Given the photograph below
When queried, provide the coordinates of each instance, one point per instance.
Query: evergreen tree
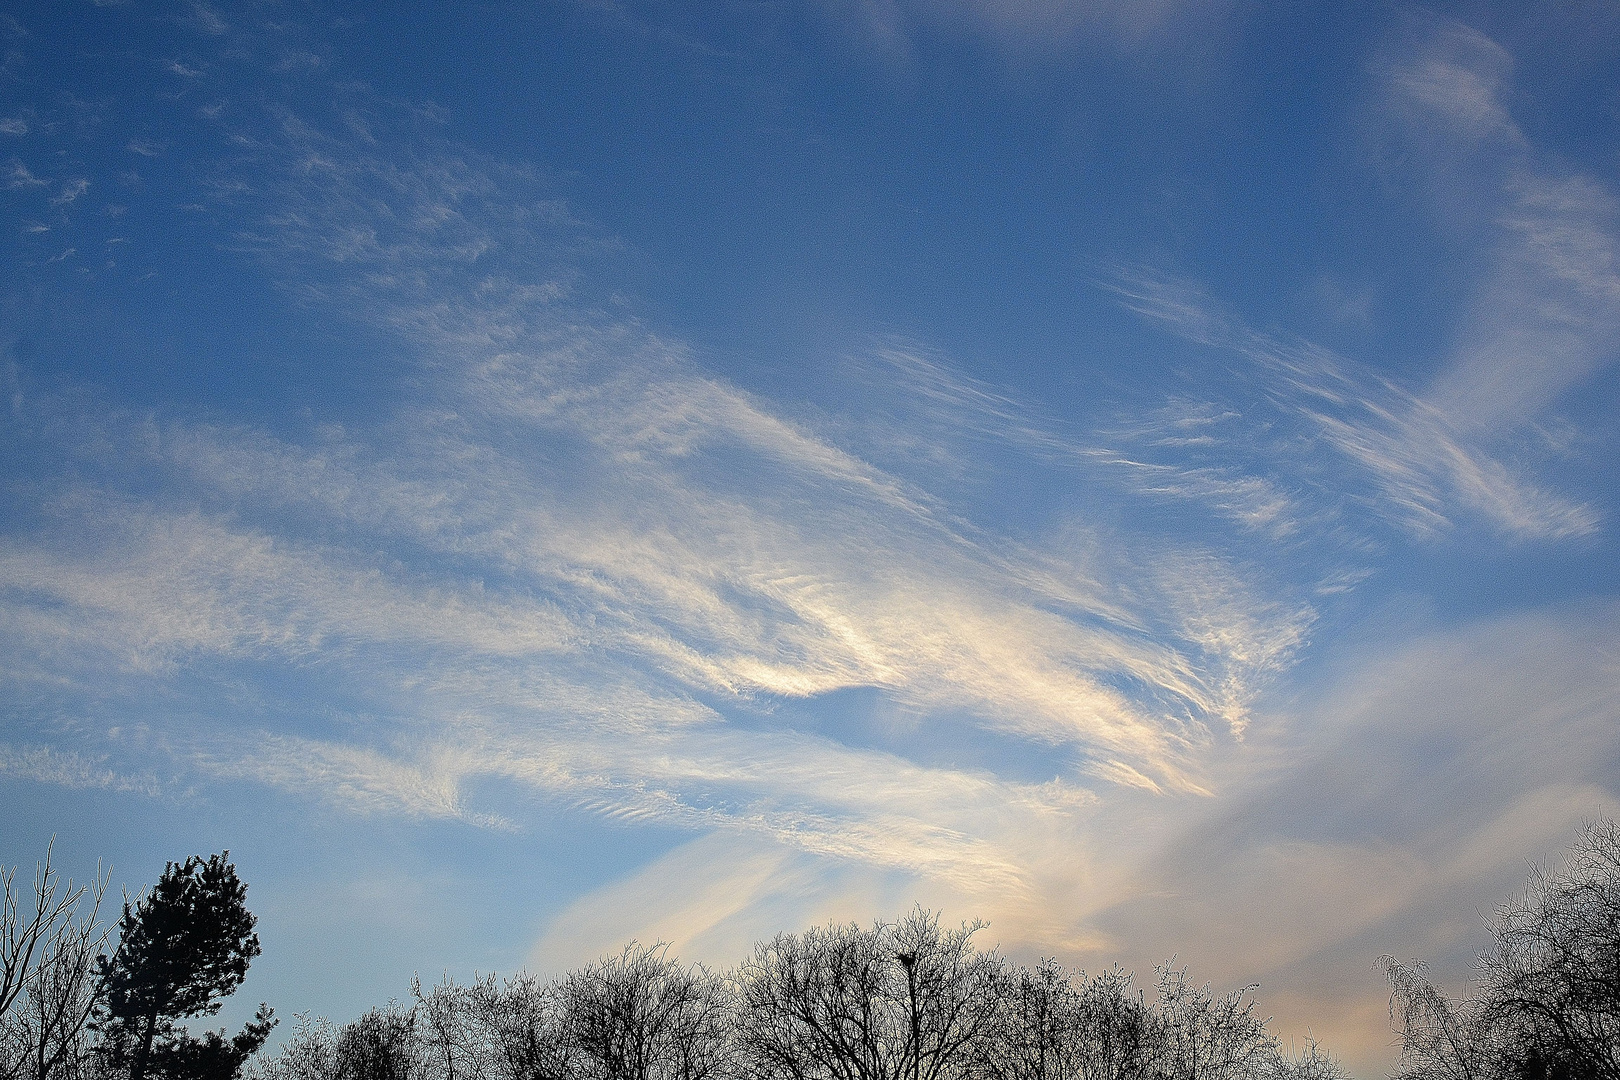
(182, 949)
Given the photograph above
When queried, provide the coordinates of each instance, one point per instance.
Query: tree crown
(183, 946)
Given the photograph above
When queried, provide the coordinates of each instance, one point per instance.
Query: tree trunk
(137, 1070)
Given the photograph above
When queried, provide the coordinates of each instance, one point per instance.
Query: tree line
(911, 999)
(907, 1000)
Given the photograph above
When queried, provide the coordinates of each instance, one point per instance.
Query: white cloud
(165, 587)
(71, 191)
(1427, 463)
(1034, 24)
(1545, 317)
(574, 567)
(21, 177)
(1382, 816)
(1449, 78)
(64, 768)
(576, 564)
(1547, 311)
(1395, 807)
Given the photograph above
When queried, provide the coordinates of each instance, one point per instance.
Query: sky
(526, 477)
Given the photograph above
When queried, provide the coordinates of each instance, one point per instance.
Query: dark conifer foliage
(182, 948)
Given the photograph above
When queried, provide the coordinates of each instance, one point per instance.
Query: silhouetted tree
(310, 1053)
(381, 1045)
(453, 1046)
(522, 1027)
(1195, 1035)
(1111, 1027)
(47, 961)
(1311, 1063)
(909, 1000)
(900, 1001)
(1548, 1000)
(489, 1030)
(1551, 983)
(1048, 1028)
(1441, 1039)
(1035, 1033)
(182, 949)
(642, 1016)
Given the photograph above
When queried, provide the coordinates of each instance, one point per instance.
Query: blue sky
(525, 477)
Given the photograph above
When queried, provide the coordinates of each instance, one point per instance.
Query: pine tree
(182, 949)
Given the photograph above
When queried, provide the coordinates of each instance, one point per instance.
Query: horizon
(528, 478)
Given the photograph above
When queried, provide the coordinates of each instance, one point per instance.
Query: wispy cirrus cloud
(1034, 24)
(961, 415)
(575, 562)
(1405, 800)
(20, 176)
(1546, 313)
(1426, 465)
(65, 768)
(1545, 318)
(1333, 837)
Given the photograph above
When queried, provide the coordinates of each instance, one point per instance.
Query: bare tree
(1551, 982)
(63, 996)
(48, 956)
(1195, 1035)
(488, 1030)
(642, 1016)
(1441, 1039)
(909, 1000)
(901, 1001)
(310, 1053)
(522, 1020)
(1111, 1027)
(454, 1045)
(381, 1045)
(1311, 1063)
(821, 1006)
(25, 931)
(1036, 1035)
(493, 1030)
(1547, 1006)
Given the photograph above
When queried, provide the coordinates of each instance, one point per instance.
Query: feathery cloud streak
(1546, 316)
(619, 565)
(578, 562)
